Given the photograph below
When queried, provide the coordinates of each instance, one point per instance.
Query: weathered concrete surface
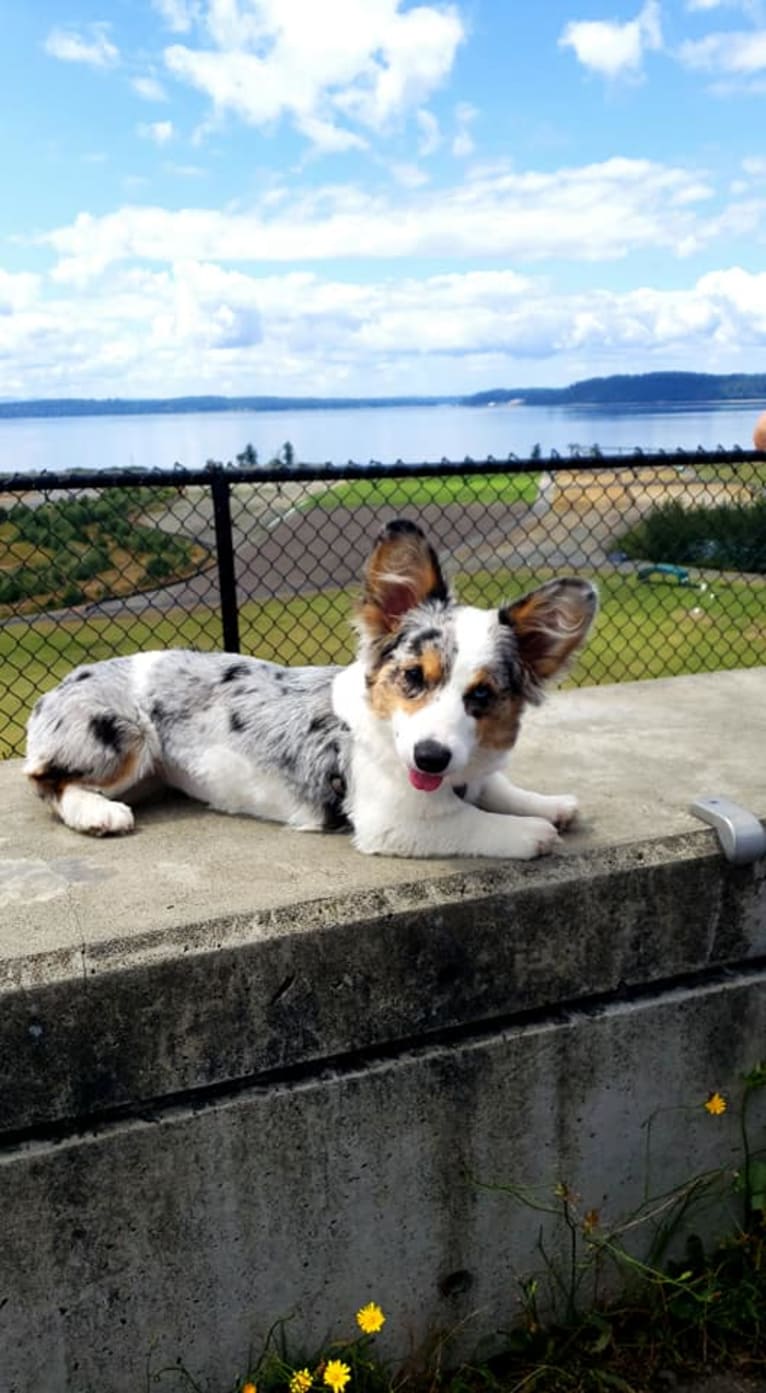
(245, 1072)
(185, 1236)
(130, 1024)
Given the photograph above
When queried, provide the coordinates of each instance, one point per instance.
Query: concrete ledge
(141, 1022)
(206, 949)
(247, 1072)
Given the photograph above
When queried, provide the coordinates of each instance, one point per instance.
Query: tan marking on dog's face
(432, 663)
(497, 712)
(498, 730)
(395, 686)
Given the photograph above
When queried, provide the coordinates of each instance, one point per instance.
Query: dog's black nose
(431, 757)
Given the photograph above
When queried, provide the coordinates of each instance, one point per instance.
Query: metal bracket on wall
(740, 832)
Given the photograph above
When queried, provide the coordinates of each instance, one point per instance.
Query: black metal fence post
(227, 580)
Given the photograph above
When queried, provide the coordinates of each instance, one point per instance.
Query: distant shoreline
(659, 390)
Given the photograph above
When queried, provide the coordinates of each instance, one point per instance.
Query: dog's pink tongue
(427, 783)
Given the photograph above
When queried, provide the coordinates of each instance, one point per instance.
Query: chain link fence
(268, 561)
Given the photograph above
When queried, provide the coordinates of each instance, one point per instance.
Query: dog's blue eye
(478, 699)
(414, 681)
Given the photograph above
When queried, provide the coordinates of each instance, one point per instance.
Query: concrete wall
(247, 1074)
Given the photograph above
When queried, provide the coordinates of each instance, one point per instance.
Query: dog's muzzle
(431, 760)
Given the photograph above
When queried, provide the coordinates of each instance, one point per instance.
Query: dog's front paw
(535, 837)
(562, 810)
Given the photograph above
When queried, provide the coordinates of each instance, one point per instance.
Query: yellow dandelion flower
(716, 1104)
(301, 1381)
(591, 1220)
(336, 1375)
(249, 1388)
(370, 1319)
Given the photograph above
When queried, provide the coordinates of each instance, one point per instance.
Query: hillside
(650, 388)
(656, 388)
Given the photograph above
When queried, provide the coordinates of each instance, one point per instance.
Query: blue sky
(366, 197)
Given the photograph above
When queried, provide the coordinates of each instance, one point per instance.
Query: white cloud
(323, 67)
(186, 171)
(612, 49)
(328, 137)
(751, 7)
(592, 213)
(159, 131)
(430, 135)
(196, 322)
(149, 88)
(179, 15)
(463, 142)
(93, 47)
(738, 52)
(410, 176)
(18, 290)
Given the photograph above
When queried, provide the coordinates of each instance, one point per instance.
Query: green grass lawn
(420, 491)
(645, 629)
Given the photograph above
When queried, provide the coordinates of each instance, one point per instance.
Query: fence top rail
(374, 469)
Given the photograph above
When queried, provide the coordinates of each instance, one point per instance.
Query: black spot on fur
(460, 790)
(157, 712)
(81, 676)
(513, 676)
(389, 648)
(419, 641)
(107, 730)
(233, 671)
(53, 778)
(58, 773)
(438, 591)
(321, 723)
(335, 817)
(235, 722)
(38, 706)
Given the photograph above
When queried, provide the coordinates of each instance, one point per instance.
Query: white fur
(219, 776)
(85, 811)
(391, 817)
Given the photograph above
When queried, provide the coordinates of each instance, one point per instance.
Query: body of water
(410, 433)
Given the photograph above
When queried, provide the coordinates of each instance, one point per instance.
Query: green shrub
(10, 590)
(159, 567)
(71, 595)
(91, 563)
(731, 536)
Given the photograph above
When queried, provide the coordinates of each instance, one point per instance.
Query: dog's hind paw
(115, 819)
(85, 811)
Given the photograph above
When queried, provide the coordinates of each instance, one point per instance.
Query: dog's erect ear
(402, 572)
(550, 624)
